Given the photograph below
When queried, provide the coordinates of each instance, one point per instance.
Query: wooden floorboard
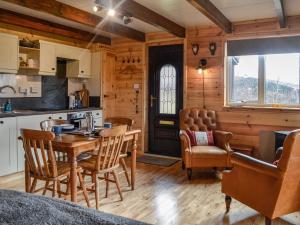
(164, 196)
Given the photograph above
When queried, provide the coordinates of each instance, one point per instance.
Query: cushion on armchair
(200, 138)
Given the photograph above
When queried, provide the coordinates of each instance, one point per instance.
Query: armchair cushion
(200, 138)
(208, 152)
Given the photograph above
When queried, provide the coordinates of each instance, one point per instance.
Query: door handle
(151, 100)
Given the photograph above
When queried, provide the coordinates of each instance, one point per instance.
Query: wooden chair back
(116, 121)
(122, 121)
(39, 153)
(110, 148)
(47, 125)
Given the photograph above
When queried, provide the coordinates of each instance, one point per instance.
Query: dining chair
(106, 161)
(47, 125)
(124, 152)
(42, 164)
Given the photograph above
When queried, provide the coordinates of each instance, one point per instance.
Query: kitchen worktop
(26, 112)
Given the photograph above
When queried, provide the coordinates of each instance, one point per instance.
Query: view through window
(264, 80)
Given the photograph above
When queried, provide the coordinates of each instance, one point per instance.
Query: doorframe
(160, 42)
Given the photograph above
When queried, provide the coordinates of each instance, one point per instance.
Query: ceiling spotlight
(97, 8)
(111, 12)
(127, 19)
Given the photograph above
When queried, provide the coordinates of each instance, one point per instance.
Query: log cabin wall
(245, 123)
(129, 82)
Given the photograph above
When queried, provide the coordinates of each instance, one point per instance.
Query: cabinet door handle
(50, 117)
(53, 68)
(1, 122)
(82, 71)
(60, 118)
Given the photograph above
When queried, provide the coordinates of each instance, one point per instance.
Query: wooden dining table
(74, 145)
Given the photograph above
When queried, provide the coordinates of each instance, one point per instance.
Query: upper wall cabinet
(80, 67)
(9, 52)
(47, 58)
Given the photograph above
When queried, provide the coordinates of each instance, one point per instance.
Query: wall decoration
(195, 49)
(212, 48)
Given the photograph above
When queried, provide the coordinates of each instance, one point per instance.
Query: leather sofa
(196, 119)
(272, 190)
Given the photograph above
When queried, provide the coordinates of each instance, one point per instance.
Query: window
(167, 92)
(264, 80)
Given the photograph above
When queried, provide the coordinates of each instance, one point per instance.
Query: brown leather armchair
(272, 190)
(196, 119)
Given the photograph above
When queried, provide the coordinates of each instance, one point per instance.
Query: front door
(165, 98)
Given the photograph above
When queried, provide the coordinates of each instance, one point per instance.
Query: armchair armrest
(255, 165)
(185, 141)
(222, 139)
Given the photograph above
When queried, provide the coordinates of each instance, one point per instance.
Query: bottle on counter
(8, 106)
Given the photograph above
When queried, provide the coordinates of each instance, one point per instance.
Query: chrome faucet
(8, 86)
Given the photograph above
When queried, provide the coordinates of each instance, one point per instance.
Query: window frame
(261, 87)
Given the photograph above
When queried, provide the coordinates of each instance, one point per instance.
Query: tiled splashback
(26, 86)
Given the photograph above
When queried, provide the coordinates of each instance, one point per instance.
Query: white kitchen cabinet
(47, 58)
(85, 63)
(81, 67)
(98, 119)
(8, 147)
(9, 49)
(28, 122)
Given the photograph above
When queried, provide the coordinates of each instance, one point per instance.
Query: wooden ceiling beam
(213, 13)
(68, 12)
(21, 20)
(280, 12)
(146, 15)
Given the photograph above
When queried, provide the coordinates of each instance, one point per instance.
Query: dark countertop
(22, 112)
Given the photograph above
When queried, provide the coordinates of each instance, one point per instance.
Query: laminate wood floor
(164, 196)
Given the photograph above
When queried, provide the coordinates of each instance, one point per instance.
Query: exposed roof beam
(280, 12)
(146, 15)
(21, 20)
(71, 13)
(213, 13)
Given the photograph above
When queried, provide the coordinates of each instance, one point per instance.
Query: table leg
(27, 177)
(133, 162)
(73, 178)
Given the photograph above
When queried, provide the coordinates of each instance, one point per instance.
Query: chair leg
(268, 221)
(189, 173)
(183, 165)
(118, 184)
(96, 186)
(82, 184)
(107, 184)
(123, 164)
(58, 189)
(46, 186)
(227, 202)
(54, 193)
(33, 185)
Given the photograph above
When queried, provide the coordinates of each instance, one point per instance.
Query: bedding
(28, 209)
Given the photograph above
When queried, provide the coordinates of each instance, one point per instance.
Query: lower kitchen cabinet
(8, 146)
(28, 122)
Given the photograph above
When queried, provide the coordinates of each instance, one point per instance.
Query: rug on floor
(156, 160)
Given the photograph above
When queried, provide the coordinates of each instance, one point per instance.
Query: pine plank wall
(245, 123)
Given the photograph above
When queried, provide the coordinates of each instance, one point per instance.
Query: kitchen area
(43, 80)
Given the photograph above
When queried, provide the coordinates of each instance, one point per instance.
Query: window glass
(244, 81)
(282, 79)
(167, 93)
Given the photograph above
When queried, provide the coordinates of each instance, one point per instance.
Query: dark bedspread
(28, 209)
